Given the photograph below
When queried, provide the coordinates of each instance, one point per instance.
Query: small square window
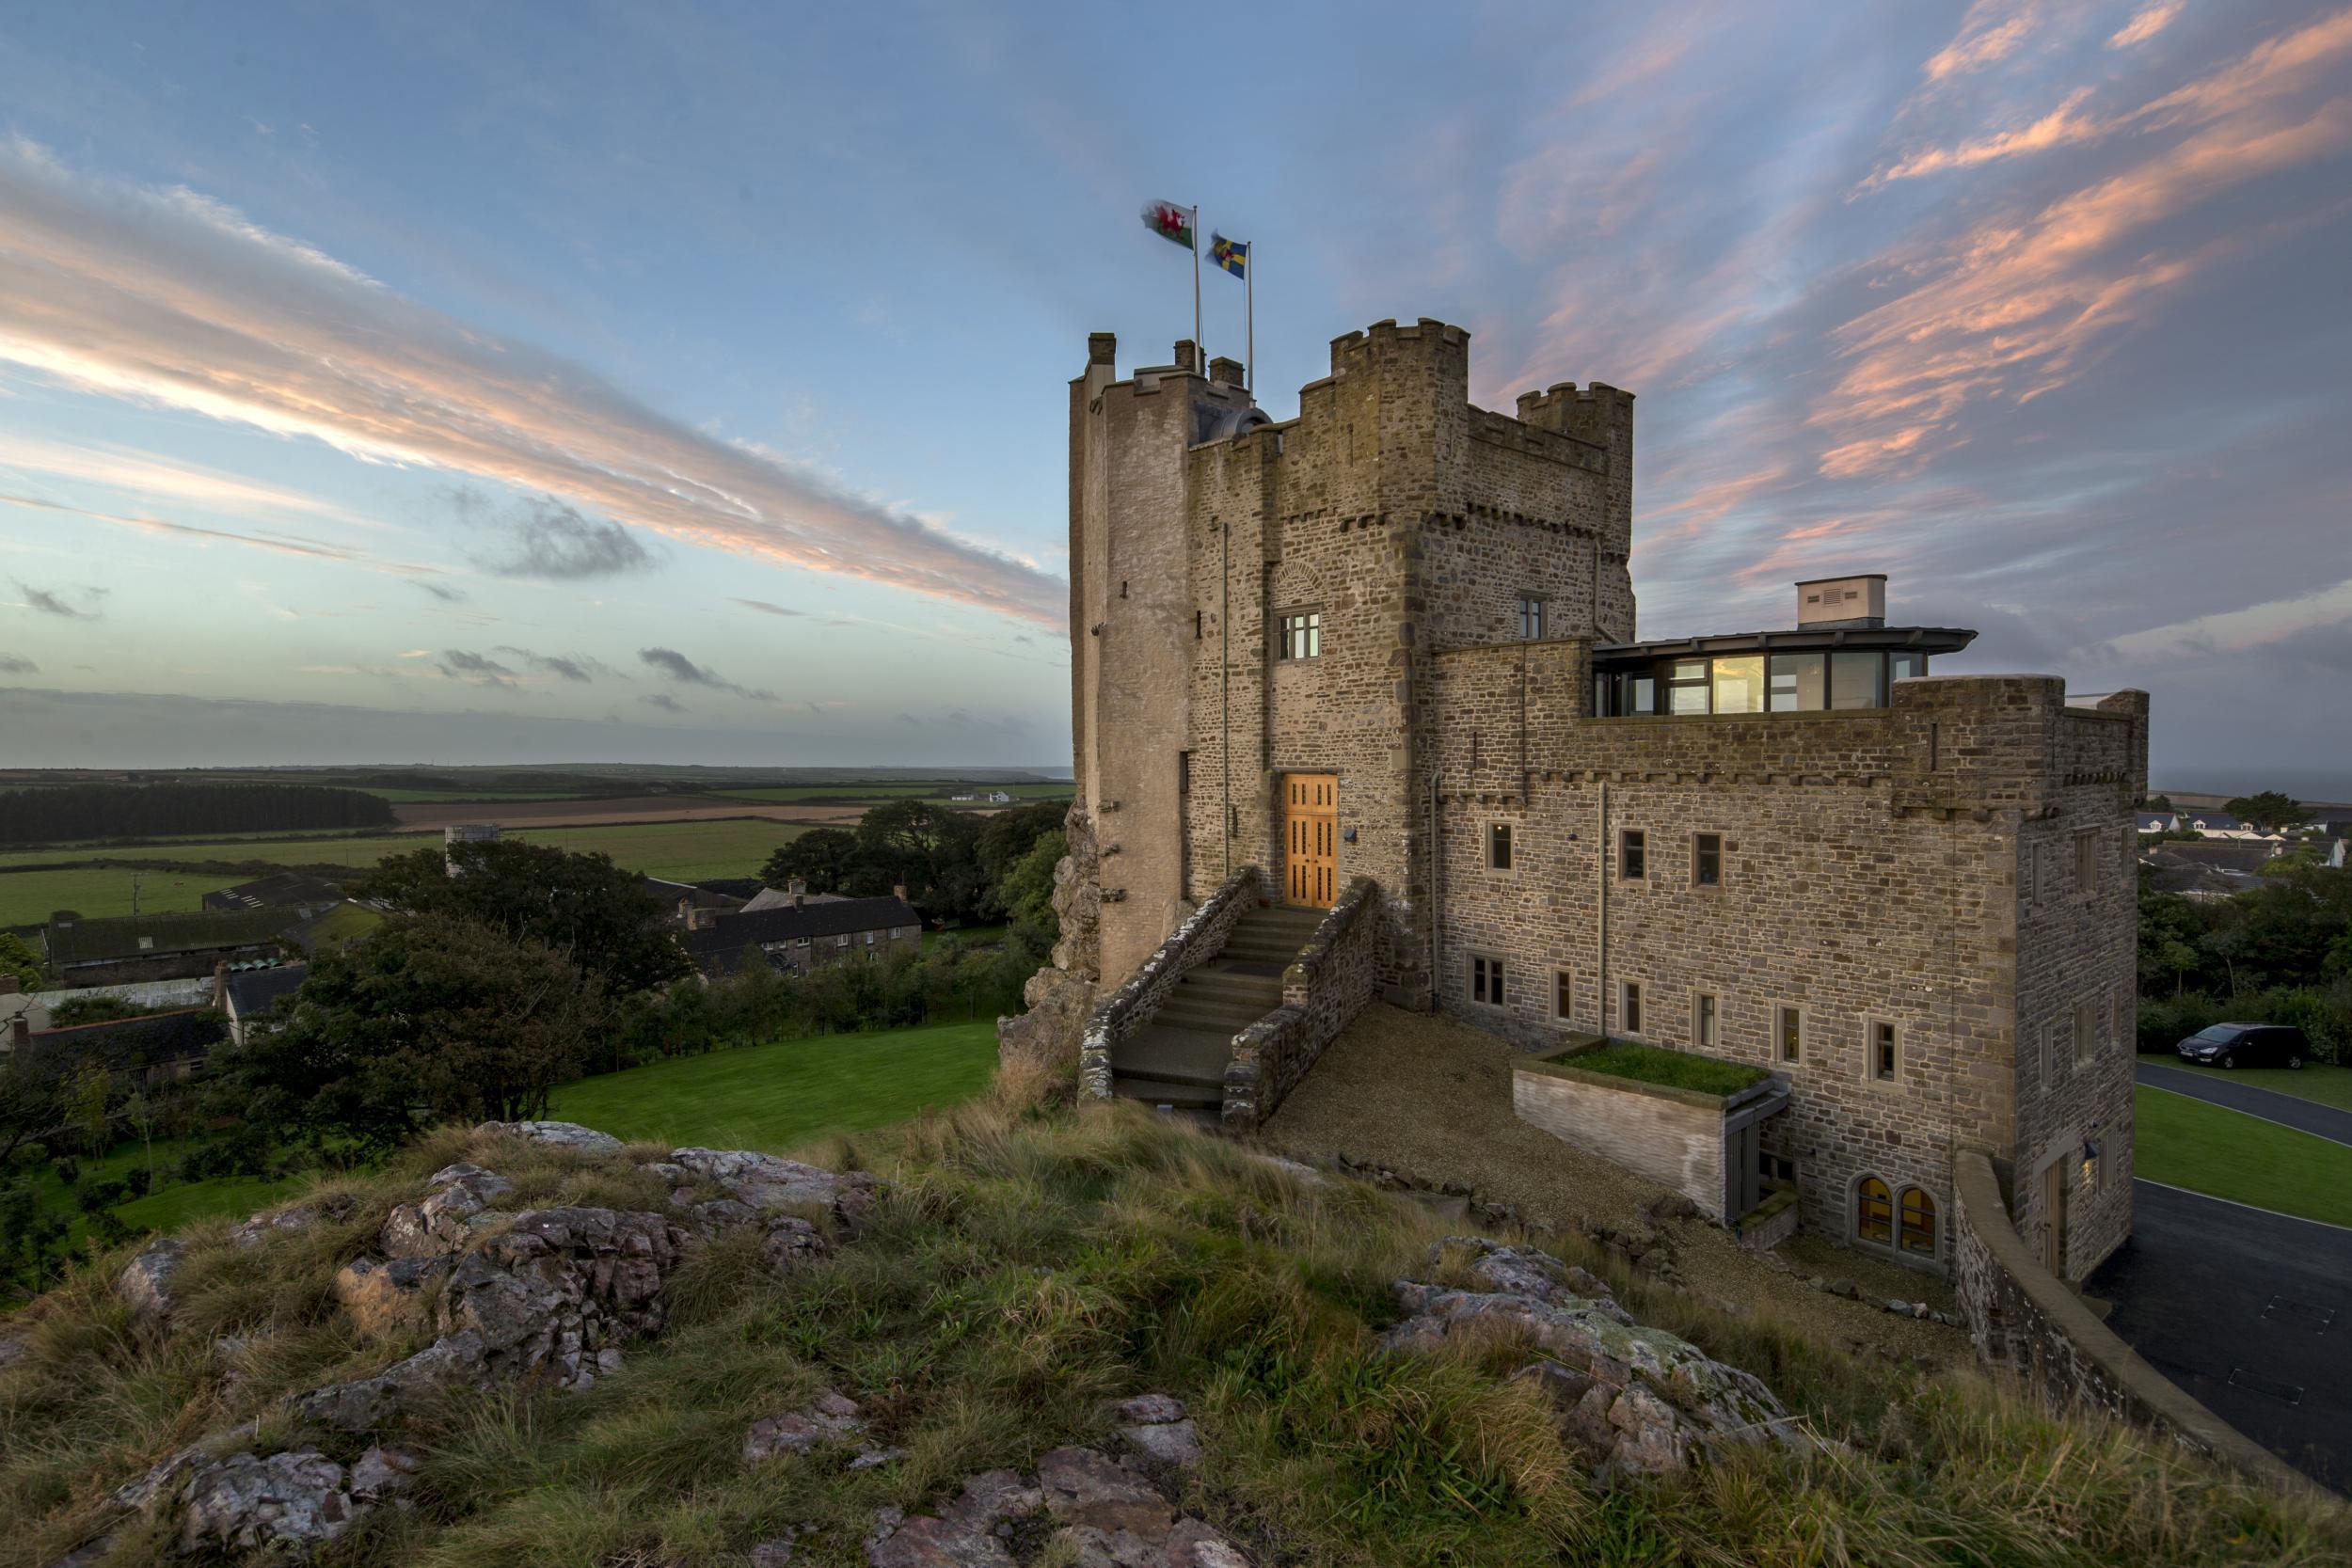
(1706, 860)
(1499, 845)
(1486, 981)
(1530, 620)
(1788, 1024)
(1302, 635)
(1632, 858)
(1705, 1008)
(1885, 1053)
(1629, 1007)
(1775, 1167)
(1563, 994)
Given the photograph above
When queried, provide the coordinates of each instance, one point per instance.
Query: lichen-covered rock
(829, 1417)
(1642, 1401)
(768, 1182)
(1083, 1510)
(1156, 1427)
(447, 1216)
(280, 1505)
(145, 1283)
(386, 1299)
(367, 1403)
(289, 1221)
(558, 1135)
(561, 1287)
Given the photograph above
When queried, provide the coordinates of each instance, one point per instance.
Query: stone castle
(1360, 710)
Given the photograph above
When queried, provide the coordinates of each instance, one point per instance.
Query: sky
(536, 382)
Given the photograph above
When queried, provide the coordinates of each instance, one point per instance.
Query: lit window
(1739, 684)
(1499, 845)
(1706, 860)
(1302, 635)
(1563, 994)
(1631, 866)
(1530, 620)
(1487, 980)
(1885, 1059)
(1629, 1007)
(1918, 1211)
(1792, 1034)
(1873, 1211)
(1703, 1010)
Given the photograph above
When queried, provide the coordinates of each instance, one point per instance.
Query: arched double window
(1874, 1211)
(1919, 1216)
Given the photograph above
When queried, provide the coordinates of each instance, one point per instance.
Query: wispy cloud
(17, 664)
(166, 297)
(446, 592)
(120, 469)
(459, 665)
(764, 608)
(577, 668)
(547, 539)
(2145, 24)
(663, 701)
(61, 601)
(675, 665)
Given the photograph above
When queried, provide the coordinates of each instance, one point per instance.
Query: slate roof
(252, 991)
(289, 887)
(732, 941)
(137, 936)
(745, 888)
(145, 1041)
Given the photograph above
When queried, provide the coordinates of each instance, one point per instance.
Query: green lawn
(170, 1205)
(2316, 1082)
(1650, 1064)
(27, 897)
(2211, 1150)
(775, 1097)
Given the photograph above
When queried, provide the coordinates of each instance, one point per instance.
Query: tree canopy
(954, 863)
(17, 957)
(53, 812)
(2268, 812)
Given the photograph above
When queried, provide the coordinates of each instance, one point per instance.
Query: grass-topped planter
(1685, 1120)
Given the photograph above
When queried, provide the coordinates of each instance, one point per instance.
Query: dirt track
(584, 813)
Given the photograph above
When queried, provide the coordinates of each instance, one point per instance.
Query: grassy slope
(2316, 1081)
(774, 1096)
(2211, 1150)
(1025, 1268)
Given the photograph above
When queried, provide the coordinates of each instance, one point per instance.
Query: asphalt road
(2248, 1310)
(2216, 1087)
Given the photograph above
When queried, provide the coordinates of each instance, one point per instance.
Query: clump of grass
(1028, 1267)
(1680, 1070)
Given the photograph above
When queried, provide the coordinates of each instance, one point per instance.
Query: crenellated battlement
(1598, 413)
(1385, 341)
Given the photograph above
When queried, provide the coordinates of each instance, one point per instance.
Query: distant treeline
(59, 811)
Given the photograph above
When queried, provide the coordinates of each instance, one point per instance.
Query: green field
(682, 851)
(467, 796)
(890, 791)
(2315, 1081)
(775, 1097)
(2211, 1150)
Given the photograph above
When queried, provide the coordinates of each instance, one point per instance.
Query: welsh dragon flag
(1169, 222)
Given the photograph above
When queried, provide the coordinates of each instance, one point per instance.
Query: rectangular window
(1886, 1056)
(1857, 680)
(1563, 995)
(1775, 1167)
(1706, 860)
(2086, 862)
(1739, 684)
(2085, 1031)
(1530, 620)
(1629, 1007)
(842, 941)
(1302, 635)
(1499, 845)
(1789, 1025)
(1631, 858)
(1800, 683)
(1638, 694)
(869, 939)
(1183, 772)
(1704, 1007)
(803, 942)
(1902, 666)
(1687, 685)
(1486, 981)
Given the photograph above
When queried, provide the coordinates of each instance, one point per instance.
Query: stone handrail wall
(1200, 937)
(2023, 1320)
(1333, 977)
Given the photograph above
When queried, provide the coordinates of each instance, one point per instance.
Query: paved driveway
(2218, 1087)
(2250, 1311)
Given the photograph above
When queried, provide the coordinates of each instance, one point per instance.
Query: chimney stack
(798, 888)
(1188, 354)
(1225, 371)
(1857, 602)
(899, 891)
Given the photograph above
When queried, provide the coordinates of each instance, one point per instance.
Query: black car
(2247, 1045)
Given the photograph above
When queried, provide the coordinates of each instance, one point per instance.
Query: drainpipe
(1225, 679)
(1601, 872)
(1436, 895)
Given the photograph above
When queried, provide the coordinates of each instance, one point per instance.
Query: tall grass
(1029, 1266)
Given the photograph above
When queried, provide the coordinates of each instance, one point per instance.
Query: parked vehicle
(2228, 1045)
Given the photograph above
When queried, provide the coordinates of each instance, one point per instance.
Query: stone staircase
(1177, 1059)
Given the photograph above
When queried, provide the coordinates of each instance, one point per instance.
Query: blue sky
(632, 383)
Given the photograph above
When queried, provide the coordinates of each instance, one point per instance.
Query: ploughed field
(644, 808)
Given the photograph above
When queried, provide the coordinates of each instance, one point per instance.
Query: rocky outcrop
(1638, 1401)
(832, 1417)
(1061, 995)
(559, 1292)
(1082, 1505)
(769, 1182)
(285, 1505)
(1157, 1428)
(558, 1135)
(384, 1300)
(292, 1220)
(145, 1284)
(443, 1220)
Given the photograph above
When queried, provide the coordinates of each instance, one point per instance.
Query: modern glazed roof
(1926, 640)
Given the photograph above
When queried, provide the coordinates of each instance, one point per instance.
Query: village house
(289, 889)
(246, 994)
(803, 934)
(126, 948)
(1360, 708)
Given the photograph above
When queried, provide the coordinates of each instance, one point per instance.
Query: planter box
(1703, 1145)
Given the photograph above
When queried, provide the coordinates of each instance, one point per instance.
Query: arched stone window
(1919, 1216)
(1874, 1211)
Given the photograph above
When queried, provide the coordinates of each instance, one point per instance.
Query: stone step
(1178, 1097)
(1223, 1019)
(1236, 985)
(1166, 1054)
(1272, 954)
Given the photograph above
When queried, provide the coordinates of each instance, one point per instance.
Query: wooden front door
(2054, 1217)
(1310, 841)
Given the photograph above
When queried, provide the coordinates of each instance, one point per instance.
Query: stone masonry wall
(1675, 1142)
(1335, 975)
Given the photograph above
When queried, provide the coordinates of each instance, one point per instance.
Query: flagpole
(1200, 350)
(1249, 321)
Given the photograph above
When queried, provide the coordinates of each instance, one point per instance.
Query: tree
(17, 957)
(2268, 812)
(33, 1081)
(431, 1017)
(583, 905)
(821, 857)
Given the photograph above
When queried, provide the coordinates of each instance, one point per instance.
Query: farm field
(483, 797)
(891, 791)
(603, 809)
(682, 851)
